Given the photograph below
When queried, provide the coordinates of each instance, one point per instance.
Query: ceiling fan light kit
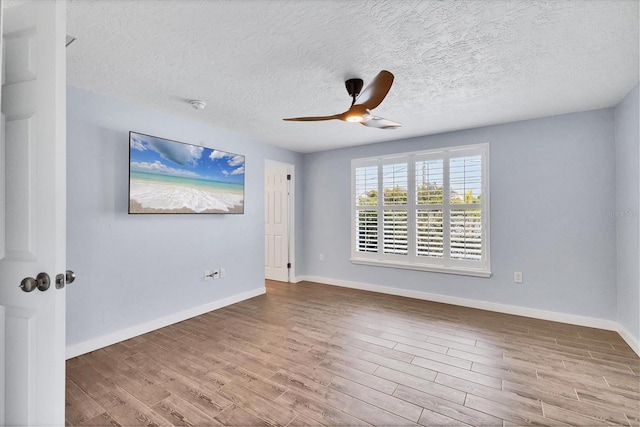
(355, 118)
(363, 101)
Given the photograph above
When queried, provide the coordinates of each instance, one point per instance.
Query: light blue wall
(552, 183)
(627, 210)
(135, 269)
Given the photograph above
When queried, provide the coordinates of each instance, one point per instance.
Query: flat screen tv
(171, 177)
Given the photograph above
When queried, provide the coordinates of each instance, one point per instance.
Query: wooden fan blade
(375, 92)
(380, 123)
(314, 119)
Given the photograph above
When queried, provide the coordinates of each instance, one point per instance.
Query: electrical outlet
(321, 257)
(517, 277)
(222, 272)
(207, 275)
(216, 274)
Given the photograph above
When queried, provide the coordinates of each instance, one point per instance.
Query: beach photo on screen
(168, 176)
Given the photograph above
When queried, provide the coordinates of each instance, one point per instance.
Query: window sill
(434, 269)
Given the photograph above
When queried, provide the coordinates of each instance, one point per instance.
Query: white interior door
(34, 210)
(276, 221)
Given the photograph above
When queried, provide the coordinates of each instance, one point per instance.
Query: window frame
(412, 261)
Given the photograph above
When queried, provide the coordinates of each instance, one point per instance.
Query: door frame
(2, 222)
(291, 208)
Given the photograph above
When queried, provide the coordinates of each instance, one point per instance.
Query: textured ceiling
(457, 64)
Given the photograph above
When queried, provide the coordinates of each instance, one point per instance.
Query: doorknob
(42, 282)
(28, 284)
(67, 278)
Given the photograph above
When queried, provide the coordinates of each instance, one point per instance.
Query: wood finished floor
(307, 354)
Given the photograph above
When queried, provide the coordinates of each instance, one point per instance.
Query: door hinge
(288, 265)
(288, 177)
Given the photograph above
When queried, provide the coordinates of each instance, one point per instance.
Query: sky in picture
(165, 157)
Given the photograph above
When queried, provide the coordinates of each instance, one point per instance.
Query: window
(424, 211)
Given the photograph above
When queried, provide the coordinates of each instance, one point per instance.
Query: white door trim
(2, 380)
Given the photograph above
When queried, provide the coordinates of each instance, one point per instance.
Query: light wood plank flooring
(308, 354)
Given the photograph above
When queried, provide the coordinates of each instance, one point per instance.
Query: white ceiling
(457, 64)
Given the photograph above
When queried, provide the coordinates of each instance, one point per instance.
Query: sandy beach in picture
(151, 193)
(172, 177)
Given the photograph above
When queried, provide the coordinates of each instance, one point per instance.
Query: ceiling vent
(198, 105)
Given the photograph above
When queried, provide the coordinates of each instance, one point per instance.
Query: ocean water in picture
(172, 177)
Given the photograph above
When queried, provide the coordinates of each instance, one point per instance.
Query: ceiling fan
(361, 106)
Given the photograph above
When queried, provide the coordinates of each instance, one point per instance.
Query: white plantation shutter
(429, 233)
(465, 179)
(367, 231)
(427, 210)
(395, 232)
(366, 186)
(429, 182)
(429, 201)
(395, 178)
(366, 213)
(466, 234)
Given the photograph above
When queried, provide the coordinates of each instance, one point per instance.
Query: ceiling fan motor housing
(354, 87)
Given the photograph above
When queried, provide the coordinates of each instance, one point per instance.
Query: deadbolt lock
(62, 279)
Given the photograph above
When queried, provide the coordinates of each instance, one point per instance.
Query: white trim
(434, 152)
(535, 313)
(134, 331)
(292, 221)
(626, 335)
(422, 267)
(3, 341)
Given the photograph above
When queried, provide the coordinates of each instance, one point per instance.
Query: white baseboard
(571, 319)
(134, 331)
(626, 335)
